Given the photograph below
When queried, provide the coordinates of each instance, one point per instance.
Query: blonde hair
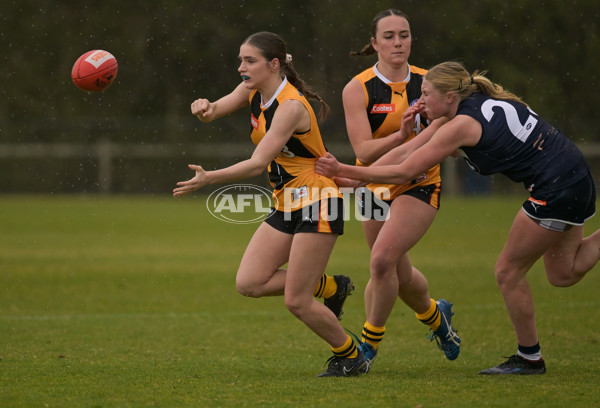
(454, 77)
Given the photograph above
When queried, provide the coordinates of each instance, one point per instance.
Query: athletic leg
(371, 229)
(260, 273)
(571, 257)
(392, 274)
(307, 255)
(308, 259)
(526, 243)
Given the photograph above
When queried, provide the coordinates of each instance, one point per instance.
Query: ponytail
(366, 50)
(454, 77)
(294, 79)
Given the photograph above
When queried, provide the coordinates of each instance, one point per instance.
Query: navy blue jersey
(516, 142)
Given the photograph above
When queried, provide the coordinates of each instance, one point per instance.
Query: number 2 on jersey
(519, 130)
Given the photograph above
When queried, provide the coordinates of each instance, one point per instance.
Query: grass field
(130, 302)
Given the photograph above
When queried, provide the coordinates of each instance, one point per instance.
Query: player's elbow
(363, 154)
(256, 168)
(365, 159)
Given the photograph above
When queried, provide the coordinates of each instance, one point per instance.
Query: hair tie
(471, 78)
(460, 84)
(288, 58)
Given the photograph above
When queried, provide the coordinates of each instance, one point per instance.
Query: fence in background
(105, 153)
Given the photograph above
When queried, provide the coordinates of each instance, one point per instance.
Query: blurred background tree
(173, 52)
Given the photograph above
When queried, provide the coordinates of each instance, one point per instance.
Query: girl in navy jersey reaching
(498, 133)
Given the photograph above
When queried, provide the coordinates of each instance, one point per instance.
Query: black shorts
(561, 210)
(373, 208)
(326, 216)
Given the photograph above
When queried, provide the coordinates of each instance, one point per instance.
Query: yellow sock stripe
(431, 317)
(372, 328)
(347, 350)
(372, 334)
(320, 287)
(329, 287)
(369, 335)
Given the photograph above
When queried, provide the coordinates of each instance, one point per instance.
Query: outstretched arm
(288, 117)
(460, 131)
(329, 166)
(208, 111)
(402, 152)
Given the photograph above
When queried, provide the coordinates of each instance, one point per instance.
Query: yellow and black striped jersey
(292, 173)
(385, 103)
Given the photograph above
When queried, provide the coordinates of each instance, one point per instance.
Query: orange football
(94, 71)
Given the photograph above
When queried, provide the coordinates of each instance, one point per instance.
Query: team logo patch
(538, 202)
(383, 108)
(300, 192)
(253, 122)
(420, 178)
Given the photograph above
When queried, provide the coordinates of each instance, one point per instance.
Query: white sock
(531, 357)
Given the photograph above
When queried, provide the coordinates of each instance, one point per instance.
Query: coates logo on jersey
(240, 203)
(383, 108)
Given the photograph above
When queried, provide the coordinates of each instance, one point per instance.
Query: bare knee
(382, 265)
(247, 289)
(560, 283)
(563, 274)
(562, 280)
(506, 274)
